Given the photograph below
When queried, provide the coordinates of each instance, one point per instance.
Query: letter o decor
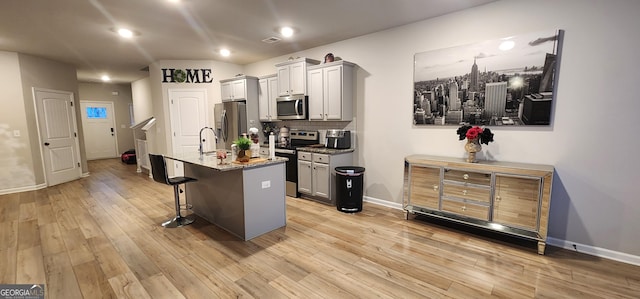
(179, 76)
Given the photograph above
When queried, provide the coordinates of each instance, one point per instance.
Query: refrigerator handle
(225, 125)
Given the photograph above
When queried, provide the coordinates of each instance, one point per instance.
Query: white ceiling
(79, 32)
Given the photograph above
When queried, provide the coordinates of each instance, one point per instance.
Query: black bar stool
(160, 175)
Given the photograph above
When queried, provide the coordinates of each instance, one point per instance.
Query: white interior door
(57, 129)
(99, 128)
(188, 116)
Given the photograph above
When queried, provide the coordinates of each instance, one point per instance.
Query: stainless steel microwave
(292, 107)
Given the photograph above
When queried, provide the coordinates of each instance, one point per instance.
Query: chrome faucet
(200, 149)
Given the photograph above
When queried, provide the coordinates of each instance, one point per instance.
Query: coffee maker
(338, 139)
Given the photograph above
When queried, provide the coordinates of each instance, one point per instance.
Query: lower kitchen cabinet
(305, 174)
(316, 174)
(512, 198)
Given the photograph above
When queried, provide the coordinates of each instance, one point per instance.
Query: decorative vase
(472, 147)
(244, 156)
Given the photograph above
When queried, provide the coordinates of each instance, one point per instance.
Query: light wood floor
(100, 237)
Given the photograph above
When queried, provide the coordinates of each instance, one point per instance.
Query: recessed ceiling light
(286, 31)
(105, 78)
(225, 52)
(174, 1)
(126, 33)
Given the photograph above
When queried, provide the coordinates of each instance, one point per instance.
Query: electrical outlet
(266, 184)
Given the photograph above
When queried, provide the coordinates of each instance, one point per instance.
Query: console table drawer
(466, 209)
(466, 192)
(467, 177)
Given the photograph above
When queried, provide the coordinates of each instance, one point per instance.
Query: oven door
(291, 171)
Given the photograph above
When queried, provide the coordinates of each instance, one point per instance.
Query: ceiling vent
(271, 40)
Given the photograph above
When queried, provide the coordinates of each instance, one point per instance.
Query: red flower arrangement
(470, 132)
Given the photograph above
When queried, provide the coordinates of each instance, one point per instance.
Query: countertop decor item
(268, 128)
(221, 155)
(475, 136)
(329, 58)
(243, 144)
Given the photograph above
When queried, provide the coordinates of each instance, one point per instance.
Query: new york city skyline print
(505, 81)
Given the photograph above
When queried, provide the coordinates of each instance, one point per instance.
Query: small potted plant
(243, 144)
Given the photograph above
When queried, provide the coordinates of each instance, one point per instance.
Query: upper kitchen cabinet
(239, 88)
(292, 76)
(267, 94)
(330, 89)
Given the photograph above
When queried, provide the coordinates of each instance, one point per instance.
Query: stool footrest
(178, 222)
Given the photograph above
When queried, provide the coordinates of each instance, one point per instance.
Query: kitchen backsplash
(320, 126)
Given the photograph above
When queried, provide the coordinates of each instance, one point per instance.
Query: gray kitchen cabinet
(512, 198)
(305, 176)
(321, 175)
(239, 88)
(292, 76)
(316, 174)
(267, 94)
(330, 90)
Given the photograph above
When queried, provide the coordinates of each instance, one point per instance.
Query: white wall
(592, 138)
(16, 166)
(160, 94)
(120, 95)
(141, 97)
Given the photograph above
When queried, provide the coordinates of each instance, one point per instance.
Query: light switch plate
(16, 133)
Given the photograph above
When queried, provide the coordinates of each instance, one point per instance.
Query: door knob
(46, 143)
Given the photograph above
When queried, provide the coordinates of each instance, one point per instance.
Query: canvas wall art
(506, 81)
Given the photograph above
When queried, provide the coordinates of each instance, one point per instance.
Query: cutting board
(252, 161)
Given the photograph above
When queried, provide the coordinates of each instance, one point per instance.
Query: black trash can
(349, 185)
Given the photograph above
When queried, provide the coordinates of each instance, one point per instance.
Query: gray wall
(43, 73)
(160, 95)
(16, 164)
(103, 92)
(591, 141)
(22, 154)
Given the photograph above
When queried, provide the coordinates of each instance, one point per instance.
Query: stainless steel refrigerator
(231, 122)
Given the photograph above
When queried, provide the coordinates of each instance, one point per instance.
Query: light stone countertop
(324, 150)
(319, 150)
(209, 160)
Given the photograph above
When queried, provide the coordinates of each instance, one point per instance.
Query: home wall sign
(186, 76)
(507, 81)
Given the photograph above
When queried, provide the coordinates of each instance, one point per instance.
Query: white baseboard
(23, 189)
(587, 249)
(386, 203)
(84, 175)
(595, 251)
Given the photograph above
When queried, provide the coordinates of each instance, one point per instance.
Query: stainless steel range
(297, 138)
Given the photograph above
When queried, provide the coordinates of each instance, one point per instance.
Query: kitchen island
(245, 199)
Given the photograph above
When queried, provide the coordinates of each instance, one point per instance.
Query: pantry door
(57, 129)
(188, 115)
